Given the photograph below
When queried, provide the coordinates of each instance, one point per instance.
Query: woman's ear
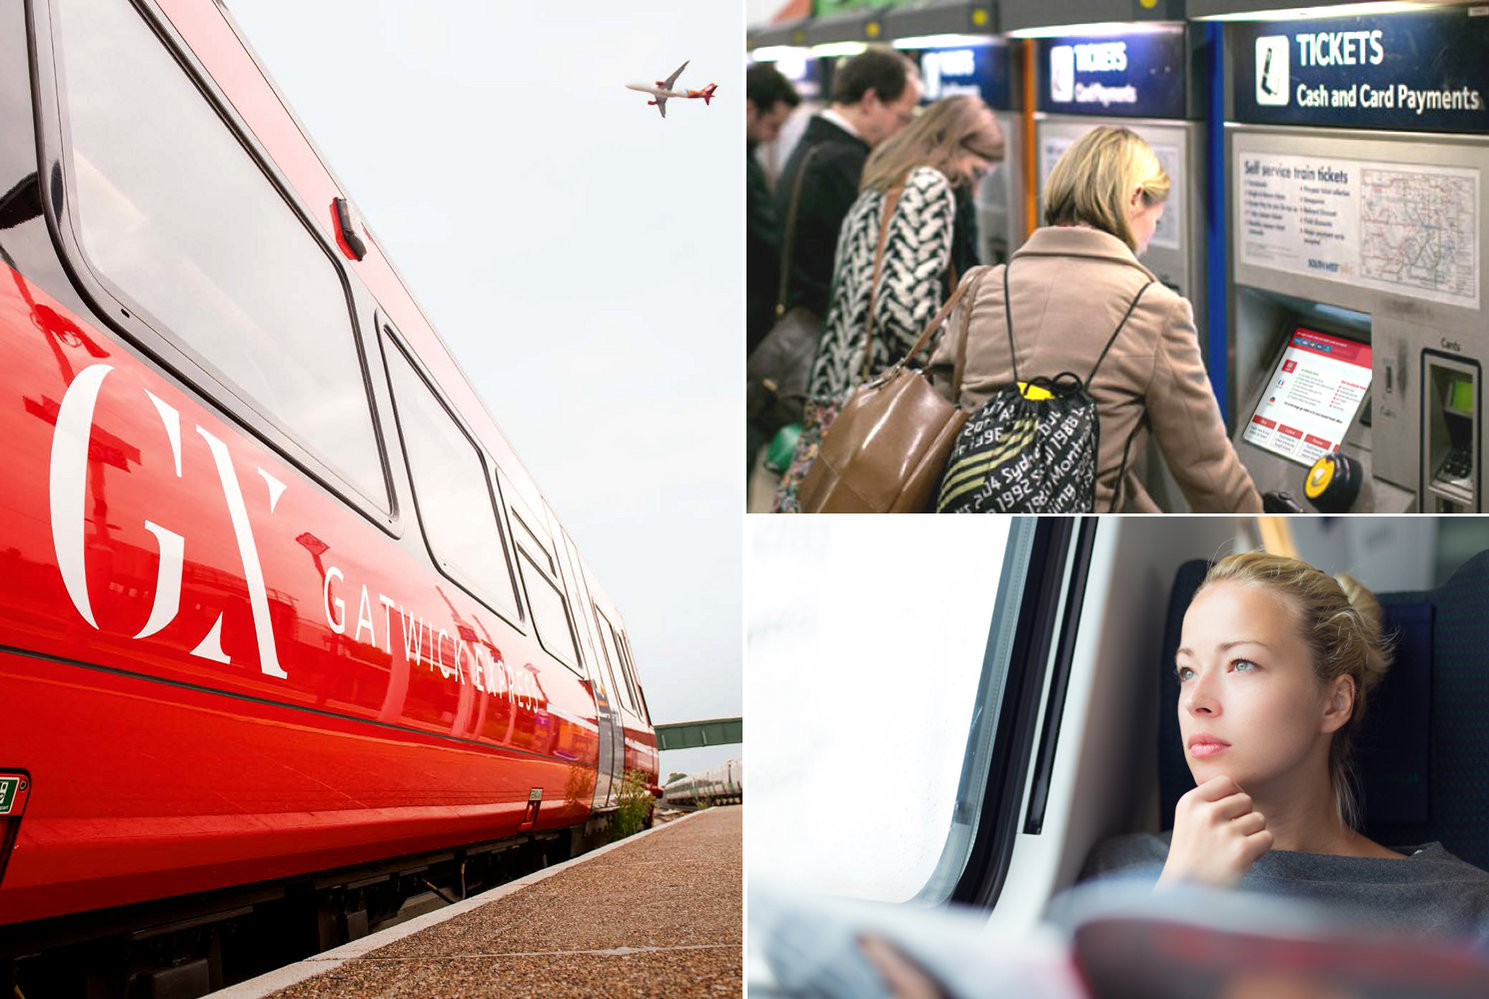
(1340, 705)
(1135, 201)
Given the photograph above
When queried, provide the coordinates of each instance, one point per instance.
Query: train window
(451, 491)
(625, 647)
(173, 211)
(633, 689)
(528, 540)
(870, 660)
(577, 587)
(612, 653)
(611, 658)
(550, 612)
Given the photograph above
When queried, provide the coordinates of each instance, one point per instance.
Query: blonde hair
(1093, 182)
(1340, 620)
(938, 137)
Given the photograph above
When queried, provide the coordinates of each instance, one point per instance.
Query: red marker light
(348, 229)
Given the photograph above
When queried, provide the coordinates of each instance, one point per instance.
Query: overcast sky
(583, 259)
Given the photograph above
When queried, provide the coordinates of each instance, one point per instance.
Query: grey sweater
(1429, 889)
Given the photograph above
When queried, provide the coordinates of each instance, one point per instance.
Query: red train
(276, 597)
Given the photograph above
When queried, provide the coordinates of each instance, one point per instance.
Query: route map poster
(1404, 228)
(1313, 397)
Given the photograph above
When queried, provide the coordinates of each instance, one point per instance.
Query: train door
(612, 731)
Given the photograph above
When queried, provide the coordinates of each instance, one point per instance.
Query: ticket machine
(1145, 77)
(1357, 160)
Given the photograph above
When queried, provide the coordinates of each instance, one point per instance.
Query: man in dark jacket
(873, 96)
(769, 100)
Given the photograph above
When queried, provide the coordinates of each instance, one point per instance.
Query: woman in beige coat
(1069, 286)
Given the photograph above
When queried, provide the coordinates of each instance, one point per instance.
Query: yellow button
(1319, 477)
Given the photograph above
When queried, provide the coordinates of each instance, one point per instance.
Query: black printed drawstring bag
(1032, 447)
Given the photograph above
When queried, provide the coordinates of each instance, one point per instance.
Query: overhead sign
(981, 70)
(1139, 75)
(1424, 72)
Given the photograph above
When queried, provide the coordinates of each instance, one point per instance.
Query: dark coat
(762, 253)
(828, 190)
(964, 233)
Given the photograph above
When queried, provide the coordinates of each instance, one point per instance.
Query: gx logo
(68, 487)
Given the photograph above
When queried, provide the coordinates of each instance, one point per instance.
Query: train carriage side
(270, 601)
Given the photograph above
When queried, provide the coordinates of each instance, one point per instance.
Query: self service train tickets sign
(1139, 75)
(1421, 72)
(1404, 228)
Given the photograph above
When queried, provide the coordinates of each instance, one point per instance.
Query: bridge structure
(692, 734)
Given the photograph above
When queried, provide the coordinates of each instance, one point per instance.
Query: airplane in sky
(663, 90)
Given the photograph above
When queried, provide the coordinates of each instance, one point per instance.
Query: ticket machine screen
(1313, 397)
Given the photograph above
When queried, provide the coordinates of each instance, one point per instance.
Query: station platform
(659, 913)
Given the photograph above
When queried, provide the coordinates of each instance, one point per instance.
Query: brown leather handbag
(887, 449)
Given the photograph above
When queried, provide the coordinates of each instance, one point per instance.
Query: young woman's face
(1249, 705)
(972, 166)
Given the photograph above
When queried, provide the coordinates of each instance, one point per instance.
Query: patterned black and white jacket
(911, 281)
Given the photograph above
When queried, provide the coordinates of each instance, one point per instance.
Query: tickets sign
(980, 70)
(1423, 72)
(1139, 75)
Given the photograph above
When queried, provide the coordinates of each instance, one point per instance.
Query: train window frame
(626, 700)
(527, 530)
(612, 664)
(576, 667)
(1033, 635)
(1006, 679)
(631, 677)
(576, 585)
(390, 338)
(553, 580)
(121, 313)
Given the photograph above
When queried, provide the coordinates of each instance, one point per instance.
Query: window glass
(451, 490)
(633, 692)
(174, 211)
(530, 543)
(625, 643)
(866, 639)
(609, 655)
(612, 656)
(550, 613)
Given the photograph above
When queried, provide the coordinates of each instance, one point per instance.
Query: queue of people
(1068, 357)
